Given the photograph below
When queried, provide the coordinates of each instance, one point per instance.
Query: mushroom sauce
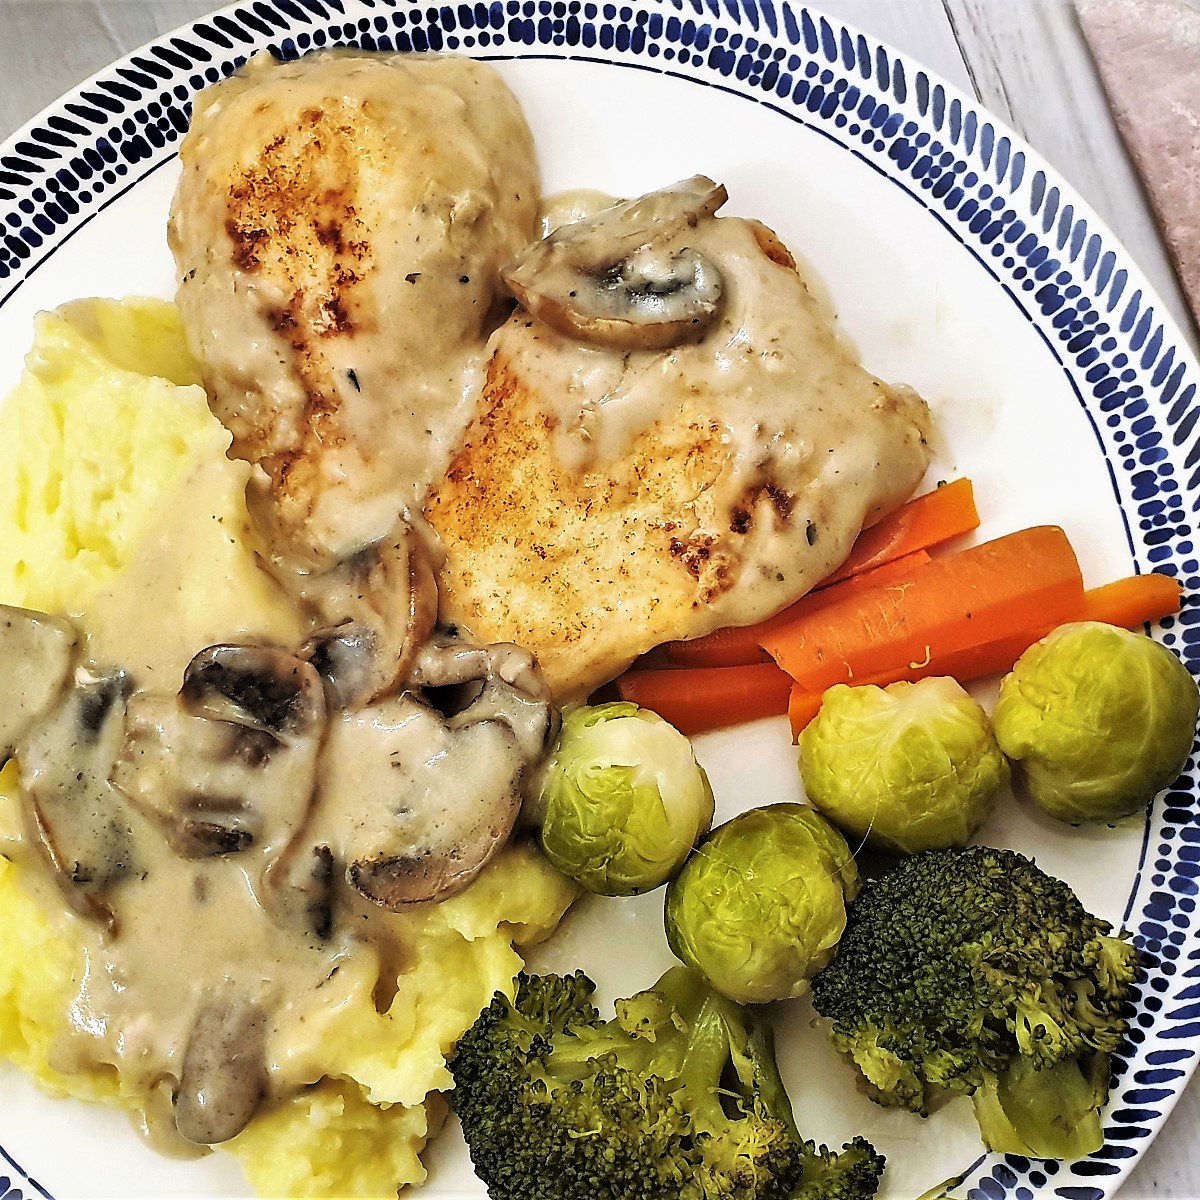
(231, 849)
(239, 825)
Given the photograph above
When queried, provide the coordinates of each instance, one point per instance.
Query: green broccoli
(974, 971)
(678, 1097)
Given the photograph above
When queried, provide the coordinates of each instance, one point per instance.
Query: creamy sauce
(212, 862)
(236, 850)
(239, 602)
(572, 205)
(168, 931)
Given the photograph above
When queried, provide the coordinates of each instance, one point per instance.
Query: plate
(957, 261)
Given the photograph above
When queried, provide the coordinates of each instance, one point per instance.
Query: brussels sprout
(1097, 720)
(906, 768)
(623, 800)
(760, 907)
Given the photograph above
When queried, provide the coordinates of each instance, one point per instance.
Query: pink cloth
(1148, 53)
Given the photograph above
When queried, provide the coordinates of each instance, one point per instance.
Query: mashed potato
(106, 448)
(90, 444)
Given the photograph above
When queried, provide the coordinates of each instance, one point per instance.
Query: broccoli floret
(852, 1172)
(973, 971)
(677, 1097)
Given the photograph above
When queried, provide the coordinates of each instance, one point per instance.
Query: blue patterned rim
(1059, 266)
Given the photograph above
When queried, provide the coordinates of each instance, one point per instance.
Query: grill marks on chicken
(552, 556)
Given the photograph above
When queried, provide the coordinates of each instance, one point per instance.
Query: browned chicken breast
(339, 229)
(677, 441)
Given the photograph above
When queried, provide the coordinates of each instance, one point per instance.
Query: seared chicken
(611, 493)
(339, 230)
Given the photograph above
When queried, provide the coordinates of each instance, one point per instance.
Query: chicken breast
(338, 230)
(606, 499)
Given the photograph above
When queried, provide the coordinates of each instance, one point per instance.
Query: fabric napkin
(1148, 55)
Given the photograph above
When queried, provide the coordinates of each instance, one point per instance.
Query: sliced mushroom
(434, 806)
(36, 654)
(447, 659)
(230, 763)
(376, 608)
(256, 687)
(501, 682)
(302, 887)
(318, 890)
(417, 802)
(224, 1074)
(210, 827)
(346, 657)
(624, 278)
(78, 818)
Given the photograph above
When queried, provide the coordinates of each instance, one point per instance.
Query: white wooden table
(1024, 59)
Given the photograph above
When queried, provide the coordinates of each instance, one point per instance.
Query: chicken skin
(338, 230)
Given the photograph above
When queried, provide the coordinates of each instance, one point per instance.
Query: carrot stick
(700, 698)
(740, 645)
(927, 520)
(802, 707)
(940, 616)
(703, 698)
(1133, 601)
(965, 664)
(1127, 602)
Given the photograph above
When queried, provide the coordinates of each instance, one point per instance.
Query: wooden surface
(1026, 60)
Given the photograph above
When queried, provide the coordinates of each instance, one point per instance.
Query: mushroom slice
(346, 657)
(224, 1073)
(210, 827)
(36, 653)
(230, 763)
(256, 687)
(377, 607)
(447, 659)
(417, 802)
(423, 806)
(625, 278)
(301, 888)
(318, 891)
(500, 682)
(79, 819)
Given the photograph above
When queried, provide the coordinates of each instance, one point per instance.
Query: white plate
(958, 262)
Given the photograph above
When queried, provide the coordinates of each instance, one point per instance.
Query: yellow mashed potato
(106, 441)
